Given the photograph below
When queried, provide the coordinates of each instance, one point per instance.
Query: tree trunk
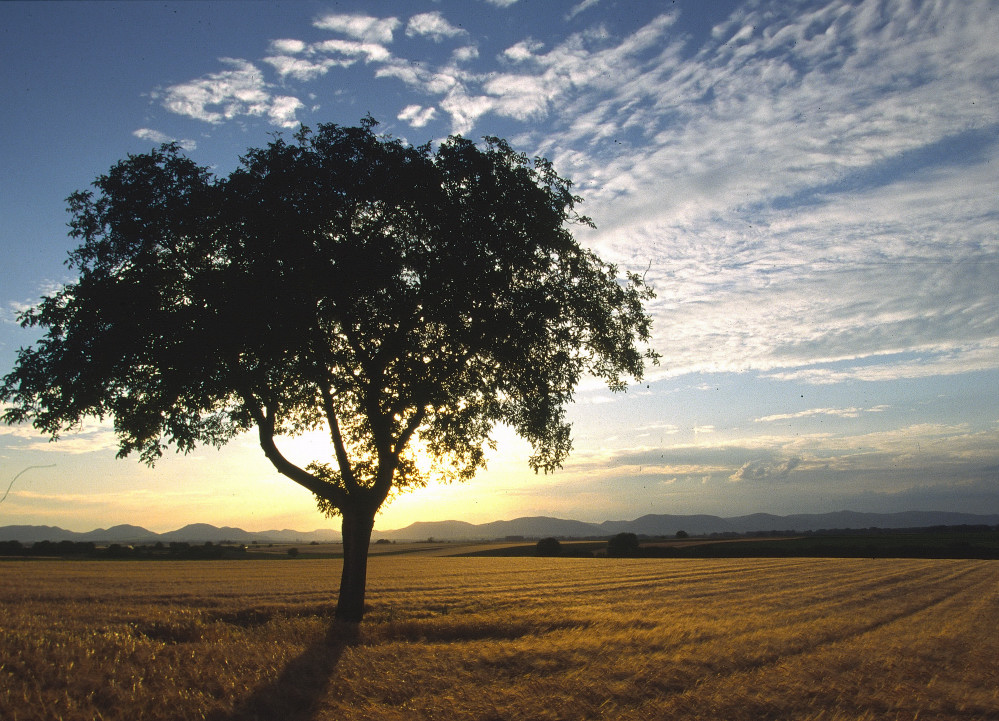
(356, 530)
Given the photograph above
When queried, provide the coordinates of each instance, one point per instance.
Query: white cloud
(421, 78)
(91, 437)
(469, 52)
(155, 136)
(432, 25)
(581, 7)
(10, 312)
(787, 192)
(837, 412)
(362, 27)
(782, 179)
(765, 470)
(524, 50)
(464, 109)
(287, 46)
(282, 109)
(301, 68)
(416, 115)
(501, 3)
(229, 94)
(371, 52)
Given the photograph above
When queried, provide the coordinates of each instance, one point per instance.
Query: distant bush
(293, 552)
(682, 534)
(623, 545)
(549, 547)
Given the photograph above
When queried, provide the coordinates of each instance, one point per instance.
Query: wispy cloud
(362, 27)
(581, 7)
(10, 312)
(351, 50)
(416, 115)
(302, 68)
(759, 470)
(808, 107)
(432, 25)
(725, 473)
(239, 91)
(735, 169)
(91, 437)
(155, 136)
(835, 412)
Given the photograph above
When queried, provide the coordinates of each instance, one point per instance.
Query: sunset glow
(809, 187)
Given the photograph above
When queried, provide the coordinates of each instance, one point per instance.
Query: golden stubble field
(506, 638)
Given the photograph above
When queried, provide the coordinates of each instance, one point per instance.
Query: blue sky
(810, 187)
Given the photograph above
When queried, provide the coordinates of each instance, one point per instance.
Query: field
(502, 638)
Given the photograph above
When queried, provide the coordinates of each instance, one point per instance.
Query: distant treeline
(946, 542)
(965, 541)
(88, 549)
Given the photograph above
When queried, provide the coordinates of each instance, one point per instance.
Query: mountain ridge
(527, 527)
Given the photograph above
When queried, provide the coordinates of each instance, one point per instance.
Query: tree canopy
(394, 295)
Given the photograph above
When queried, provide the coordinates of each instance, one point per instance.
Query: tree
(549, 547)
(623, 545)
(403, 299)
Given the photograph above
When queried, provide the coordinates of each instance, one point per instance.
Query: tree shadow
(296, 693)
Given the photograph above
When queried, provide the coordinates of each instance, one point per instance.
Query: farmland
(502, 638)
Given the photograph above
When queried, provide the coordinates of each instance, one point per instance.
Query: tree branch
(409, 430)
(265, 431)
(346, 472)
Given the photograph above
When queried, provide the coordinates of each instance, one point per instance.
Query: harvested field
(502, 638)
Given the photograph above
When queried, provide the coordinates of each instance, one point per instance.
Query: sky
(810, 187)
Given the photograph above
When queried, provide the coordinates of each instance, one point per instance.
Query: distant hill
(192, 533)
(668, 525)
(532, 527)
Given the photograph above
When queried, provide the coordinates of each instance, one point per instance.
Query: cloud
(228, 94)
(765, 470)
(287, 46)
(799, 204)
(469, 52)
(282, 109)
(524, 50)
(501, 3)
(464, 109)
(417, 115)
(371, 52)
(837, 412)
(432, 25)
(155, 136)
(804, 187)
(581, 7)
(362, 27)
(301, 68)
(91, 437)
(10, 312)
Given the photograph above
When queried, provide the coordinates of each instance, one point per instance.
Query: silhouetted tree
(397, 297)
(549, 547)
(622, 545)
(682, 534)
